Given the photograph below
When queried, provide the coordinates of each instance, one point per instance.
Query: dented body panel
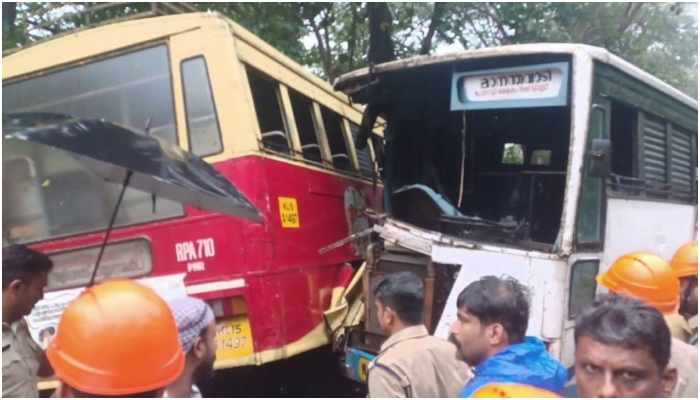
(559, 271)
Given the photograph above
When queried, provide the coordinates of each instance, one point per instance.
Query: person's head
(400, 300)
(492, 314)
(25, 273)
(646, 277)
(197, 326)
(623, 348)
(117, 339)
(46, 333)
(685, 265)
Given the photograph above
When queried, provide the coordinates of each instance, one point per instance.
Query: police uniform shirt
(684, 358)
(413, 363)
(20, 361)
(679, 327)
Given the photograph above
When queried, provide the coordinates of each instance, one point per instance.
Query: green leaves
(333, 38)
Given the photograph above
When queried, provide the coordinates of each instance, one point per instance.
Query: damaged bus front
(496, 163)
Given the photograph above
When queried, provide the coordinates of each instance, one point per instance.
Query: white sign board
(43, 321)
(540, 85)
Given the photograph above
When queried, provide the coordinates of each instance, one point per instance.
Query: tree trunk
(438, 12)
(381, 45)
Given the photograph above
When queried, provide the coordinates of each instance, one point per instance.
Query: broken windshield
(478, 149)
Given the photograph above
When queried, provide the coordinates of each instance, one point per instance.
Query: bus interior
(513, 160)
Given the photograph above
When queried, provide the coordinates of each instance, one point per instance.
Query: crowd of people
(117, 339)
(121, 339)
(634, 341)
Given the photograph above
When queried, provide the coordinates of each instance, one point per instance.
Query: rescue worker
(649, 278)
(684, 323)
(197, 325)
(25, 273)
(117, 339)
(623, 348)
(492, 318)
(411, 362)
(512, 391)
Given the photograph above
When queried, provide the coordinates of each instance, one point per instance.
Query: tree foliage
(334, 38)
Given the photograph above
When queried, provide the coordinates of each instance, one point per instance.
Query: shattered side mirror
(600, 159)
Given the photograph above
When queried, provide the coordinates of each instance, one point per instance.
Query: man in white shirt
(197, 325)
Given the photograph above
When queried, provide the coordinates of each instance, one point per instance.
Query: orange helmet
(507, 390)
(644, 276)
(685, 261)
(115, 339)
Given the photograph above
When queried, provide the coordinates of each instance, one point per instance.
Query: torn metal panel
(423, 241)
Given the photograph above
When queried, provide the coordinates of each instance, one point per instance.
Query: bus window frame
(113, 54)
(350, 145)
(573, 269)
(321, 136)
(213, 104)
(625, 88)
(175, 99)
(345, 132)
(599, 102)
(291, 123)
(254, 116)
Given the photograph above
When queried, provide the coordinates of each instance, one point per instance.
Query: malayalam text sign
(540, 85)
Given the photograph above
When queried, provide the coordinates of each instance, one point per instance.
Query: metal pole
(109, 227)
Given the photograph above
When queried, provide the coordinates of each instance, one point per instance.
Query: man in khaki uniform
(411, 363)
(684, 322)
(684, 358)
(693, 322)
(24, 276)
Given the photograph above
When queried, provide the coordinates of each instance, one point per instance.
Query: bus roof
(348, 82)
(102, 40)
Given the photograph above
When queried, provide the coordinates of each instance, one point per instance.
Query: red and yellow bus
(280, 133)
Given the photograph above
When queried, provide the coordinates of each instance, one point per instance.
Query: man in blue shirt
(492, 318)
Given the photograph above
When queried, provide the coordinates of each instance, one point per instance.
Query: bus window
(128, 89)
(23, 213)
(682, 164)
(513, 154)
(364, 157)
(302, 107)
(202, 125)
(589, 226)
(541, 157)
(66, 199)
(582, 284)
(336, 139)
(655, 153)
(623, 129)
(268, 109)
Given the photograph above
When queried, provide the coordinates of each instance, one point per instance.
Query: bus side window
(336, 139)
(302, 107)
(202, 123)
(582, 285)
(364, 157)
(268, 109)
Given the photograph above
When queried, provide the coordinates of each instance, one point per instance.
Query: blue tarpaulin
(527, 363)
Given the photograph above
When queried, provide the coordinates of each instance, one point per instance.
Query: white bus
(544, 162)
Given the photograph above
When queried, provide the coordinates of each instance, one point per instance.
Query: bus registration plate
(233, 338)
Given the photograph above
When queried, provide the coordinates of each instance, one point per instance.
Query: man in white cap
(197, 326)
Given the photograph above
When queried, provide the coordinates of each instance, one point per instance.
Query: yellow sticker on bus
(289, 213)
